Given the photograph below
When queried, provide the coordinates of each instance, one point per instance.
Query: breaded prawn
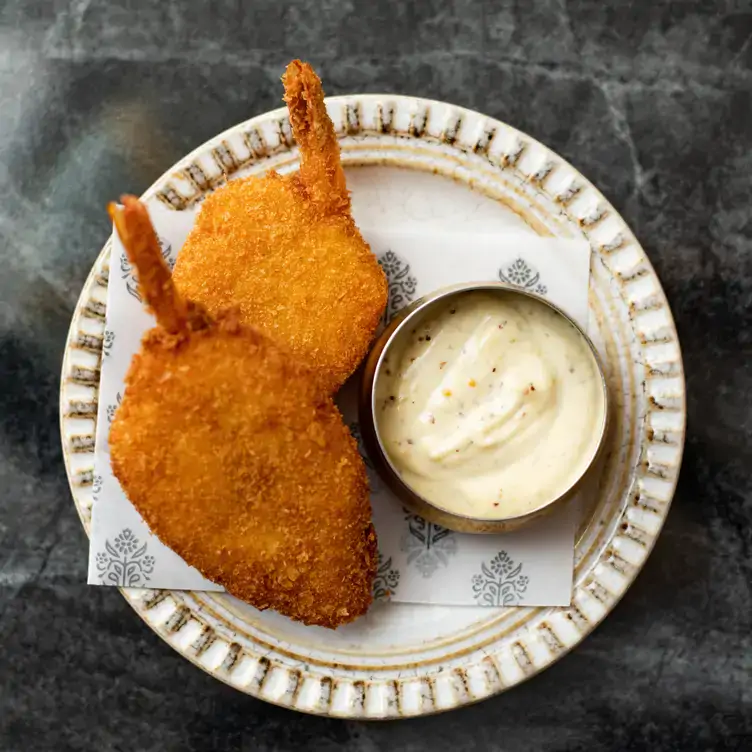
(236, 458)
(286, 251)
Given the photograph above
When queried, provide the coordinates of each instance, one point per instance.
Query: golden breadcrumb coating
(286, 251)
(237, 459)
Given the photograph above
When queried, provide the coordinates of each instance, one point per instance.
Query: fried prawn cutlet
(236, 458)
(286, 251)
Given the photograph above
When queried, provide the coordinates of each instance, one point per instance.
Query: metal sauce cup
(400, 327)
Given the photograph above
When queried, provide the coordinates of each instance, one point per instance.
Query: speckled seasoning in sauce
(490, 407)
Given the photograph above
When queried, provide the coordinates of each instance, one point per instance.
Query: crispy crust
(286, 252)
(238, 461)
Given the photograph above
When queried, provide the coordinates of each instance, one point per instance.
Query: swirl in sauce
(491, 406)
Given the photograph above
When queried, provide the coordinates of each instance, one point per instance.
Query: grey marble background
(651, 100)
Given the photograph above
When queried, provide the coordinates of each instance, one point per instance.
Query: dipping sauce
(491, 406)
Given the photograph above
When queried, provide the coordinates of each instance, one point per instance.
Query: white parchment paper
(419, 562)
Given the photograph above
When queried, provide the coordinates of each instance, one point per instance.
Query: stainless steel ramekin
(399, 327)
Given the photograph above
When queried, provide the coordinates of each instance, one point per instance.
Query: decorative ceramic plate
(431, 162)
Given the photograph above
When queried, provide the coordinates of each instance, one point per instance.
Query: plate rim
(146, 602)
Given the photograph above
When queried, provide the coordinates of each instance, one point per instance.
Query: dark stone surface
(650, 99)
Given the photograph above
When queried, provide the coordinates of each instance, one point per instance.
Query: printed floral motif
(108, 342)
(124, 562)
(128, 273)
(374, 479)
(96, 487)
(402, 284)
(386, 580)
(428, 546)
(112, 409)
(501, 582)
(521, 274)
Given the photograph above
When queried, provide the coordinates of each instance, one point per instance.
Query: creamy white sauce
(490, 407)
